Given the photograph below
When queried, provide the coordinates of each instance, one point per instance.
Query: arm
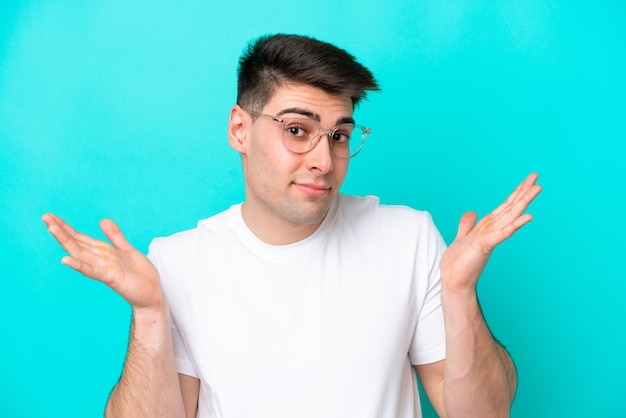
(149, 385)
(190, 388)
(477, 378)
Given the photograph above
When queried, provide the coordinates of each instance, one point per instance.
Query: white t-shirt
(326, 327)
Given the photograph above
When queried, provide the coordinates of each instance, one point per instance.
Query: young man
(301, 301)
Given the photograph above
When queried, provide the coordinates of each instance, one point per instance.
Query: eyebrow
(312, 115)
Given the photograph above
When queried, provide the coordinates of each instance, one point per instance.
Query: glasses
(301, 135)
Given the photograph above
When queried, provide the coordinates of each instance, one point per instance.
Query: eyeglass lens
(300, 135)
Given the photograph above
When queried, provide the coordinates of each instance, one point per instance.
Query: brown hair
(274, 60)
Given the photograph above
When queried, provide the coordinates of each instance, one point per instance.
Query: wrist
(460, 304)
(455, 290)
(153, 313)
(151, 327)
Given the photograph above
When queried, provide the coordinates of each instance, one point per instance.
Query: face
(288, 193)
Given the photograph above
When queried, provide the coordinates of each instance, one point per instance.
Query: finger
(81, 257)
(508, 230)
(85, 269)
(51, 219)
(519, 206)
(515, 209)
(115, 235)
(527, 186)
(84, 252)
(94, 264)
(466, 224)
(511, 198)
(48, 218)
(63, 237)
(519, 191)
(90, 257)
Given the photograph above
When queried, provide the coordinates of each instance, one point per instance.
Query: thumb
(115, 235)
(466, 224)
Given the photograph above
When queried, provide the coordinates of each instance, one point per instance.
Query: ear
(238, 126)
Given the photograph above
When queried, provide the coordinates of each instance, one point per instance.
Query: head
(287, 193)
(273, 61)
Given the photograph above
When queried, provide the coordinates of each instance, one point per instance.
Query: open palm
(120, 266)
(463, 262)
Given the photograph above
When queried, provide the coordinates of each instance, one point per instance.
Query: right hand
(121, 267)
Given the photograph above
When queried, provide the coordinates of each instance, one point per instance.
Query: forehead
(303, 96)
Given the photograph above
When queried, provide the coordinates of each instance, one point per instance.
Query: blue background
(119, 109)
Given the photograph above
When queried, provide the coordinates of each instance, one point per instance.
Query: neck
(274, 231)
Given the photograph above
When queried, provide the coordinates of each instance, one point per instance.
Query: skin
(287, 194)
(149, 385)
(287, 197)
(477, 378)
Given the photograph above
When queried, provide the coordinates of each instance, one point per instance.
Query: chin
(312, 217)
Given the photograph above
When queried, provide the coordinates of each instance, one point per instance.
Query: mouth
(315, 190)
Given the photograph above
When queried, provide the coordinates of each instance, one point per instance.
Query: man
(301, 301)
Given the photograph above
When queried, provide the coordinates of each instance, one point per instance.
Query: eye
(297, 129)
(342, 134)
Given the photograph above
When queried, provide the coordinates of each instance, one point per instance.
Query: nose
(320, 158)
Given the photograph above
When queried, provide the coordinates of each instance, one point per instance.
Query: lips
(312, 189)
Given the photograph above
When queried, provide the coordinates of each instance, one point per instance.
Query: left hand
(463, 262)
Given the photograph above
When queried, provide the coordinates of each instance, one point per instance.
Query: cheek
(267, 163)
(271, 160)
(340, 170)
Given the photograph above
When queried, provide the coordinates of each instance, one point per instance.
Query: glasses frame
(365, 131)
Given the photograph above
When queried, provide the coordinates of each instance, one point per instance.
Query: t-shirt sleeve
(429, 339)
(183, 360)
(184, 363)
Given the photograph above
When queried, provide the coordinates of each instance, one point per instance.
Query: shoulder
(388, 226)
(369, 207)
(185, 243)
(177, 240)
